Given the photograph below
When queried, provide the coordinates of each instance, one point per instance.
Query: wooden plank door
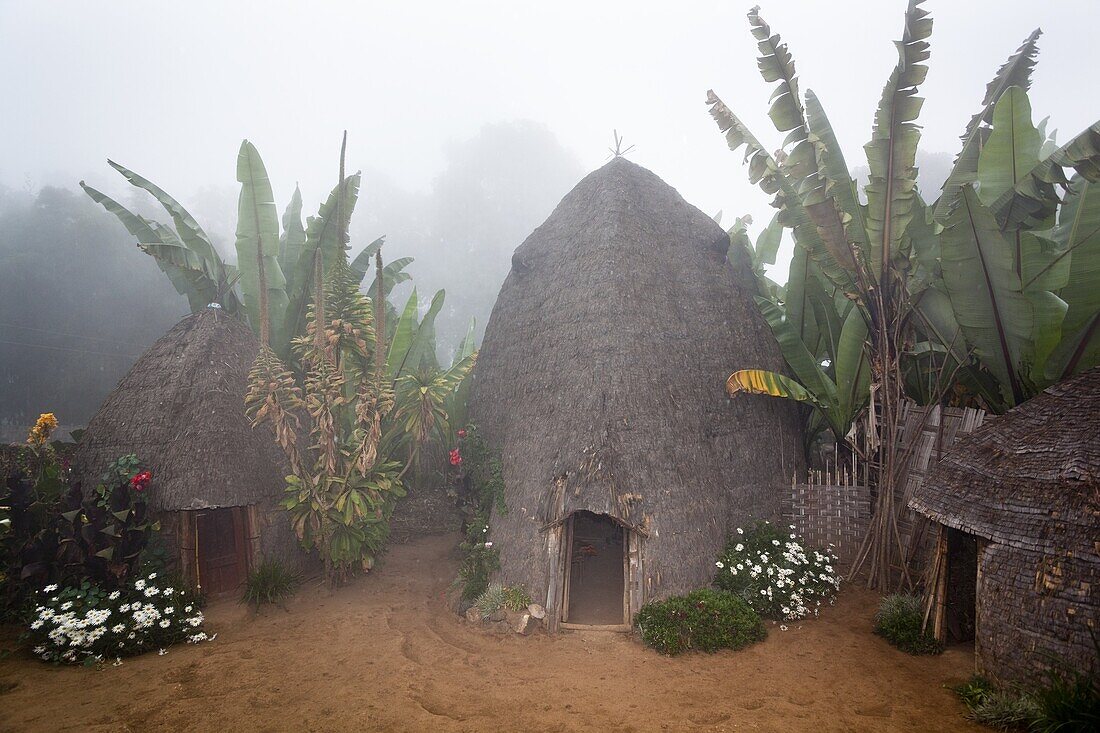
(222, 549)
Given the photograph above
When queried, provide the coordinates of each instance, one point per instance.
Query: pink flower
(456, 458)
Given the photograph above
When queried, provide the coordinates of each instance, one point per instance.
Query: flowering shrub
(706, 620)
(480, 492)
(775, 573)
(89, 624)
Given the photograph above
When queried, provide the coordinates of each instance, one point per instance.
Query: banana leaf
(987, 297)
(1015, 72)
(182, 266)
(258, 247)
(891, 153)
(192, 235)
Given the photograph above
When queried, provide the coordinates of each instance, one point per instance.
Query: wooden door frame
(190, 562)
(567, 574)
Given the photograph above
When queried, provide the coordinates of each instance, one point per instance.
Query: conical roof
(1029, 478)
(601, 381)
(180, 409)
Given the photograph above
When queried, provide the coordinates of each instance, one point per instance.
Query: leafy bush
(899, 620)
(57, 536)
(270, 582)
(775, 573)
(88, 623)
(705, 620)
(479, 475)
(481, 561)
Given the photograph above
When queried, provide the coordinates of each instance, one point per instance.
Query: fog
(469, 120)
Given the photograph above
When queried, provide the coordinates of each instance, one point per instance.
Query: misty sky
(170, 89)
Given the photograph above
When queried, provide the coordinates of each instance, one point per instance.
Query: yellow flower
(40, 433)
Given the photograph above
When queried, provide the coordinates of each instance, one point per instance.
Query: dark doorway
(962, 579)
(594, 580)
(222, 549)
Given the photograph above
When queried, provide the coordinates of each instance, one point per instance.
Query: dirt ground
(386, 654)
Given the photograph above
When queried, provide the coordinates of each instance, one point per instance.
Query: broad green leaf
(1032, 202)
(1078, 234)
(363, 261)
(1012, 149)
(891, 153)
(836, 263)
(806, 367)
(986, 292)
(852, 367)
(258, 245)
(192, 235)
(1015, 72)
(183, 267)
(402, 337)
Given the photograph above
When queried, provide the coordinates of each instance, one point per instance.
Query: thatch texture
(1030, 478)
(600, 380)
(1027, 484)
(181, 410)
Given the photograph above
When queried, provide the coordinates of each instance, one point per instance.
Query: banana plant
(186, 254)
(1018, 257)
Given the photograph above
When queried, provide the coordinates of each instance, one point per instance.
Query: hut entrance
(595, 571)
(962, 581)
(221, 549)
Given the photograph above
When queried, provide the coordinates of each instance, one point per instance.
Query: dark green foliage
(270, 582)
(705, 620)
(59, 536)
(1069, 702)
(899, 620)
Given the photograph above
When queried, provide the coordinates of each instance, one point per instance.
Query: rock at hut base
(473, 615)
(536, 611)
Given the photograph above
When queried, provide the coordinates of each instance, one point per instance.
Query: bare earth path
(386, 654)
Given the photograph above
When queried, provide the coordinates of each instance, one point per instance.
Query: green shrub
(706, 620)
(899, 621)
(270, 582)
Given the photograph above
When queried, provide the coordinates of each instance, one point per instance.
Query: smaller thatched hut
(1017, 563)
(216, 480)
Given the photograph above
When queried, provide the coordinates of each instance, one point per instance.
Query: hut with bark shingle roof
(1017, 564)
(216, 480)
(601, 383)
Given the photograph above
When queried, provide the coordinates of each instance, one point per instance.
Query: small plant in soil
(497, 596)
(706, 620)
(899, 621)
(270, 583)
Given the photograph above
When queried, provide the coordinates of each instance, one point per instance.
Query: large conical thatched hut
(1017, 564)
(600, 381)
(216, 480)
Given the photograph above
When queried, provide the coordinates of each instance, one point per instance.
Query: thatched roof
(181, 410)
(1029, 478)
(601, 375)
